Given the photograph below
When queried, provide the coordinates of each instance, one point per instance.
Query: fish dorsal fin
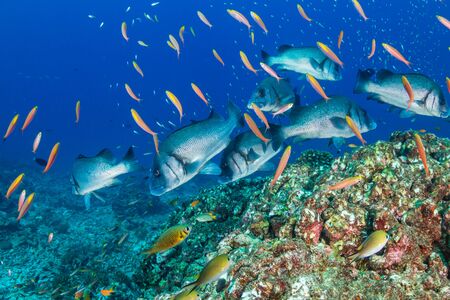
(339, 123)
(284, 48)
(106, 154)
(383, 74)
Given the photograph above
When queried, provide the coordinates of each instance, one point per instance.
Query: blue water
(52, 54)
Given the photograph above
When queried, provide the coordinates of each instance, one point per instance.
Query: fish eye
(262, 93)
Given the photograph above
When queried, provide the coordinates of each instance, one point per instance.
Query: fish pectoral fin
(339, 123)
(404, 114)
(314, 63)
(87, 201)
(99, 197)
(267, 167)
(211, 169)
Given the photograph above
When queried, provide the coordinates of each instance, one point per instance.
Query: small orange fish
(270, 71)
(107, 293)
(360, 10)
(239, 17)
(51, 158)
(346, 183)
(21, 200)
(77, 112)
(444, 21)
(37, 141)
(156, 142)
(329, 53)
(252, 37)
(316, 86)
(131, 93)
(175, 102)
(25, 206)
(204, 19)
(50, 237)
(281, 165)
(283, 109)
(181, 34)
(175, 44)
(170, 238)
(124, 31)
(422, 131)
(217, 56)
(78, 295)
(303, 13)
(355, 129)
(14, 185)
(260, 115)
(340, 38)
(259, 21)
(138, 69)
(395, 53)
(11, 127)
(372, 51)
(352, 146)
(247, 63)
(255, 128)
(29, 118)
(422, 153)
(194, 203)
(137, 118)
(199, 93)
(409, 90)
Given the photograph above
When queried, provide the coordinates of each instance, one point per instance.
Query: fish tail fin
(149, 252)
(362, 80)
(234, 113)
(266, 58)
(353, 257)
(190, 287)
(278, 135)
(130, 161)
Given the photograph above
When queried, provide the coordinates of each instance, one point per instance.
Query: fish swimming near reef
(388, 88)
(328, 120)
(90, 174)
(305, 60)
(372, 245)
(187, 151)
(247, 154)
(272, 95)
(170, 238)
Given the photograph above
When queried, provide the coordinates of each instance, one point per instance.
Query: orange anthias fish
(107, 293)
(137, 118)
(217, 56)
(199, 93)
(239, 17)
(11, 127)
(254, 128)
(340, 38)
(194, 203)
(372, 51)
(329, 53)
(21, 200)
(283, 109)
(260, 115)
(409, 90)
(181, 34)
(360, 9)
(50, 237)
(29, 118)
(156, 142)
(14, 185)
(355, 129)
(281, 165)
(204, 19)
(395, 53)
(138, 69)
(270, 71)
(25, 206)
(51, 158)
(77, 112)
(247, 63)
(131, 93)
(346, 183)
(175, 44)
(170, 238)
(175, 102)
(37, 141)
(444, 21)
(303, 13)
(422, 153)
(124, 31)
(259, 21)
(316, 86)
